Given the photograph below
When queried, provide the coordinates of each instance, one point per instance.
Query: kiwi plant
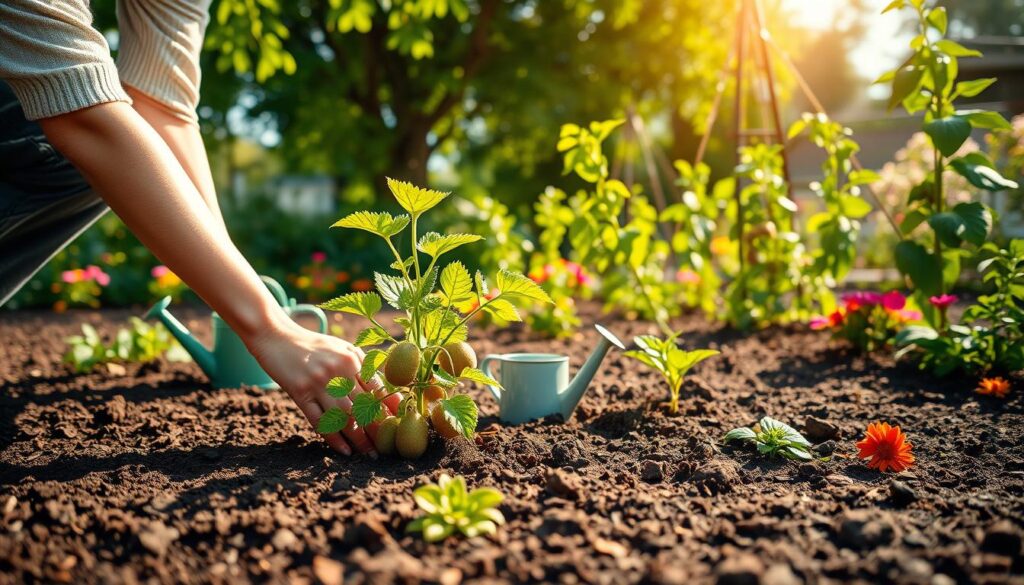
(425, 366)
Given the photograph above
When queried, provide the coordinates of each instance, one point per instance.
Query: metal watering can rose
(536, 385)
(229, 364)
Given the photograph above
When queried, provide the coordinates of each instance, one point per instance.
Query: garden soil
(144, 474)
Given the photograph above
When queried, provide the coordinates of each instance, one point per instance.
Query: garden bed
(149, 473)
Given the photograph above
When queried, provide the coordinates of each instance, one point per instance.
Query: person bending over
(79, 133)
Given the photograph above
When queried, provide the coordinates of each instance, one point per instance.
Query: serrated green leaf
(475, 375)
(372, 336)
(366, 408)
(461, 412)
(413, 199)
(375, 222)
(437, 325)
(434, 244)
(516, 285)
(373, 362)
(456, 284)
(333, 420)
(366, 304)
(394, 289)
(340, 387)
(503, 310)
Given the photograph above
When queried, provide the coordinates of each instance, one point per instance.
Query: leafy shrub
(869, 320)
(141, 343)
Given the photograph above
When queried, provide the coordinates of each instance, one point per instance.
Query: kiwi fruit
(441, 424)
(456, 357)
(411, 436)
(434, 393)
(385, 440)
(402, 364)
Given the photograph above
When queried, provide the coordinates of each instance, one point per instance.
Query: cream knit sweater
(56, 62)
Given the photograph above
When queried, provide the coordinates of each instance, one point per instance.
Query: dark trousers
(45, 203)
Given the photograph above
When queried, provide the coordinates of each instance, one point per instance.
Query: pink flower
(818, 323)
(95, 273)
(318, 257)
(908, 315)
(687, 276)
(942, 302)
(71, 276)
(159, 271)
(858, 299)
(894, 300)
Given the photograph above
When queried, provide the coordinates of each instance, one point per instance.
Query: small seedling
(432, 357)
(773, 438)
(448, 507)
(141, 343)
(666, 357)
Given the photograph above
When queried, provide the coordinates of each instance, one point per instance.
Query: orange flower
(362, 285)
(997, 387)
(887, 447)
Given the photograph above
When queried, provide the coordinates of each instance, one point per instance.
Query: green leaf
(428, 498)
(912, 220)
(486, 497)
(914, 333)
(394, 289)
(461, 412)
(739, 434)
(681, 361)
(366, 408)
(333, 420)
(906, 82)
(514, 284)
(439, 324)
(985, 119)
(456, 284)
(413, 199)
(424, 286)
(937, 19)
(924, 269)
(373, 361)
(502, 310)
(340, 387)
(894, 5)
(977, 169)
(475, 375)
(948, 227)
(372, 336)
(855, 207)
(974, 87)
(976, 221)
(646, 359)
(366, 304)
(955, 49)
(790, 434)
(434, 244)
(949, 133)
(379, 223)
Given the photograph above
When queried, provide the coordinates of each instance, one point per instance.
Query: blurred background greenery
(307, 105)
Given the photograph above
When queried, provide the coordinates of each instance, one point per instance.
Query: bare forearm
(184, 140)
(136, 173)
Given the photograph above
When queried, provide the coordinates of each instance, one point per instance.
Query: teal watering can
(536, 385)
(229, 364)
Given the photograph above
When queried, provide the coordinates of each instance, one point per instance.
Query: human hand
(302, 362)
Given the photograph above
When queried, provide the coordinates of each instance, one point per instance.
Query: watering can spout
(573, 393)
(202, 356)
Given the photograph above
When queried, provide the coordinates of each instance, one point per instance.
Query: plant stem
(939, 204)
(658, 316)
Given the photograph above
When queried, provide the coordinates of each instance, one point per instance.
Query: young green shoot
(774, 439)
(667, 358)
(448, 507)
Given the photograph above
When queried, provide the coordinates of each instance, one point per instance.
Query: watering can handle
(276, 289)
(310, 310)
(485, 367)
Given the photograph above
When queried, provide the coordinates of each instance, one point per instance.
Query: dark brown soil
(153, 477)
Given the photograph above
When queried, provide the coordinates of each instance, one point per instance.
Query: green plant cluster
(140, 343)
(669, 360)
(774, 439)
(449, 507)
(438, 303)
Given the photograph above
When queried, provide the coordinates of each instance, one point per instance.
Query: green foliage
(926, 82)
(774, 439)
(669, 360)
(438, 304)
(449, 507)
(141, 343)
(990, 336)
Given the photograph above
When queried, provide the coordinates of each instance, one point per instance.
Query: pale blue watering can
(229, 364)
(537, 385)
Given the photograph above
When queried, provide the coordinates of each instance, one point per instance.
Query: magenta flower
(894, 300)
(818, 323)
(318, 257)
(942, 302)
(96, 274)
(159, 271)
(858, 299)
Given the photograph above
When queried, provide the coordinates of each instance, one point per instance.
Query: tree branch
(476, 54)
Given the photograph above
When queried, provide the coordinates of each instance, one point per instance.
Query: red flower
(887, 448)
(894, 301)
(997, 387)
(836, 318)
(942, 302)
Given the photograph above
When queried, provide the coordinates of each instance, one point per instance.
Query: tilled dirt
(148, 475)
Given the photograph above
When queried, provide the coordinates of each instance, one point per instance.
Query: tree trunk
(410, 154)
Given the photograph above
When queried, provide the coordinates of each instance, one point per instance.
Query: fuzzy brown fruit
(441, 424)
(385, 441)
(456, 357)
(434, 393)
(402, 364)
(411, 437)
